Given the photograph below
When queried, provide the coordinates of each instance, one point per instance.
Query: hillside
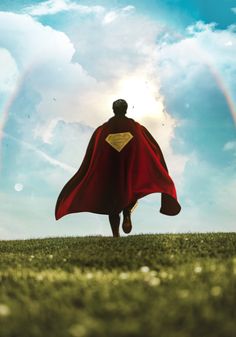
(179, 285)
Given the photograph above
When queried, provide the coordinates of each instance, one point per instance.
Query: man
(123, 163)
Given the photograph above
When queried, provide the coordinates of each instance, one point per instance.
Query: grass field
(180, 285)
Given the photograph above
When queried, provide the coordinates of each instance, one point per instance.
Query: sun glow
(142, 97)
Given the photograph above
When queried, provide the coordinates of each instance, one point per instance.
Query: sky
(63, 63)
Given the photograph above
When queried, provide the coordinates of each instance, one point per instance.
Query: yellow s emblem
(119, 140)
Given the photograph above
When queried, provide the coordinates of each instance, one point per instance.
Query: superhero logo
(119, 140)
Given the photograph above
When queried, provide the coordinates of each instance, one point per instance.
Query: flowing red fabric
(108, 181)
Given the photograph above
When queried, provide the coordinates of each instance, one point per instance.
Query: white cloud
(8, 71)
(48, 133)
(229, 146)
(72, 139)
(228, 43)
(44, 55)
(114, 14)
(67, 90)
(109, 17)
(18, 187)
(30, 43)
(42, 154)
(69, 93)
(203, 55)
(79, 75)
(128, 8)
(200, 26)
(201, 59)
(112, 51)
(233, 10)
(52, 7)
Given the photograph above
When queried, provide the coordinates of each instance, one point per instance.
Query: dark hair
(120, 107)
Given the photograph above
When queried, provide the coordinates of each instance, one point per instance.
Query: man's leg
(115, 223)
(127, 224)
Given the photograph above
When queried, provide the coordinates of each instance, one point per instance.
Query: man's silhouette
(123, 163)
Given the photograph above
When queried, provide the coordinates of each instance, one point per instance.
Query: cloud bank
(52, 7)
(69, 79)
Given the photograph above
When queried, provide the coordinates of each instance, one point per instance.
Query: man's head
(120, 107)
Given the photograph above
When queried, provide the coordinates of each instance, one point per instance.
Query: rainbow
(3, 134)
(225, 91)
(215, 73)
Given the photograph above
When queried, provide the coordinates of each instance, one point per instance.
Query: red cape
(108, 180)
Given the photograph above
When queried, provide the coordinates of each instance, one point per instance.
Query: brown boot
(127, 224)
(115, 223)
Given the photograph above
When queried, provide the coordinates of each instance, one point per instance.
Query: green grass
(180, 285)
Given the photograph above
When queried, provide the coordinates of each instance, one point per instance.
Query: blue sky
(63, 62)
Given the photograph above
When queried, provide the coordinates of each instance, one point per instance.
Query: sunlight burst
(142, 97)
